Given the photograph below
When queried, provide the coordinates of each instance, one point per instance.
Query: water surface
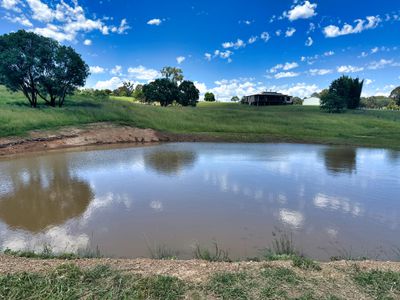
(334, 200)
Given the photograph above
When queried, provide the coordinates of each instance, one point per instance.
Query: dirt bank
(188, 270)
(68, 137)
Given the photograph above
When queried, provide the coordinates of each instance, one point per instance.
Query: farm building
(267, 98)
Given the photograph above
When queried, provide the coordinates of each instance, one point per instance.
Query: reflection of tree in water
(44, 194)
(340, 160)
(393, 156)
(169, 162)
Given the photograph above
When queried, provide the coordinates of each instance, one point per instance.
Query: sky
(231, 48)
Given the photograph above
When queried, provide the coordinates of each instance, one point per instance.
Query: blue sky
(227, 47)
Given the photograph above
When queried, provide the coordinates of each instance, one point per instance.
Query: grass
(379, 284)
(100, 282)
(215, 254)
(216, 121)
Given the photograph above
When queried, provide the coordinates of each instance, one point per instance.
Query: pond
(131, 201)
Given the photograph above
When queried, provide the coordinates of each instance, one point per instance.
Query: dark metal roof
(268, 94)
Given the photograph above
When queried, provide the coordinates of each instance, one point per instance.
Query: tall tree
(39, 66)
(209, 97)
(23, 60)
(172, 73)
(161, 90)
(188, 94)
(395, 95)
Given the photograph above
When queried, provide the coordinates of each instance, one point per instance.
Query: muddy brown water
(334, 201)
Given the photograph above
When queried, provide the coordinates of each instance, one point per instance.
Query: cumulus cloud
(286, 75)
(252, 39)
(87, 42)
(299, 89)
(315, 72)
(371, 22)
(226, 89)
(238, 44)
(143, 73)
(309, 42)
(375, 65)
(305, 11)
(265, 36)
(286, 67)
(117, 70)
(110, 84)
(289, 32)
(207, 56)
(349, 69)
(96, 70)
(180, 59)
(155, 22)
(62, 21)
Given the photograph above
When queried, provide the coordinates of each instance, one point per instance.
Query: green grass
(71, 282)
(379, 284)
(217, 121)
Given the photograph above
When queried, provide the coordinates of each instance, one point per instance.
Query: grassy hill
(217, 121)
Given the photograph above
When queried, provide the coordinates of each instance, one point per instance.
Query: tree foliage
(188, 94)
(395, 95)
(40, 67)
(172, 73)
(161, 90)
(209, 97)
(235, 99)
(344, 92)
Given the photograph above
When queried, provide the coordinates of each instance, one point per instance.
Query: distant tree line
(40, 67)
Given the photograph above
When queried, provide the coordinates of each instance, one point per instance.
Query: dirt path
(68, 137)
(188, 270)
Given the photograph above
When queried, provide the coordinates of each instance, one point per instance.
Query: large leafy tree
(209, 97)
(161, 90)
(395, 95)
(188, 94)
(40, 67)
(24, 57)
(172, 73)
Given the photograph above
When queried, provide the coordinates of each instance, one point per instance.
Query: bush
(332, 103)
(209, 97)
(375, 102)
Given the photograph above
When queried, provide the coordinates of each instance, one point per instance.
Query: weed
(217, 254)
(305, 263)
(380, 284)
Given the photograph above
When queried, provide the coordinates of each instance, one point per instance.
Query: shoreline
(104, 134)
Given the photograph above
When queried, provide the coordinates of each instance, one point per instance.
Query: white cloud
(110, 84)
(142, 73)
(368, 81)
(252, 39)
(278, 32)
(180, 59)
(155, 22)
(20, 20)
(87, 42)
(289, 32)
(314, 72)
(305, 11)
(226, 89)
(96, 70)
(11, 5)
(332, 31)
(224, 54)
(208, 56)
(286, 75)
(329, 53)
(202, 87)
(299, 89)
(117, 70)
(375, 65)
(286, 67)
(40, 11)
(291, 218)
(309, 42)
(62, 21)
(265, 36)
(238, 44)
(349, 69)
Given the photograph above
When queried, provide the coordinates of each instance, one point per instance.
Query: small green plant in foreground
(217, 254)
(305, 263)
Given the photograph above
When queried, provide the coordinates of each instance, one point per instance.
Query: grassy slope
(69, 281)
(224, 121)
